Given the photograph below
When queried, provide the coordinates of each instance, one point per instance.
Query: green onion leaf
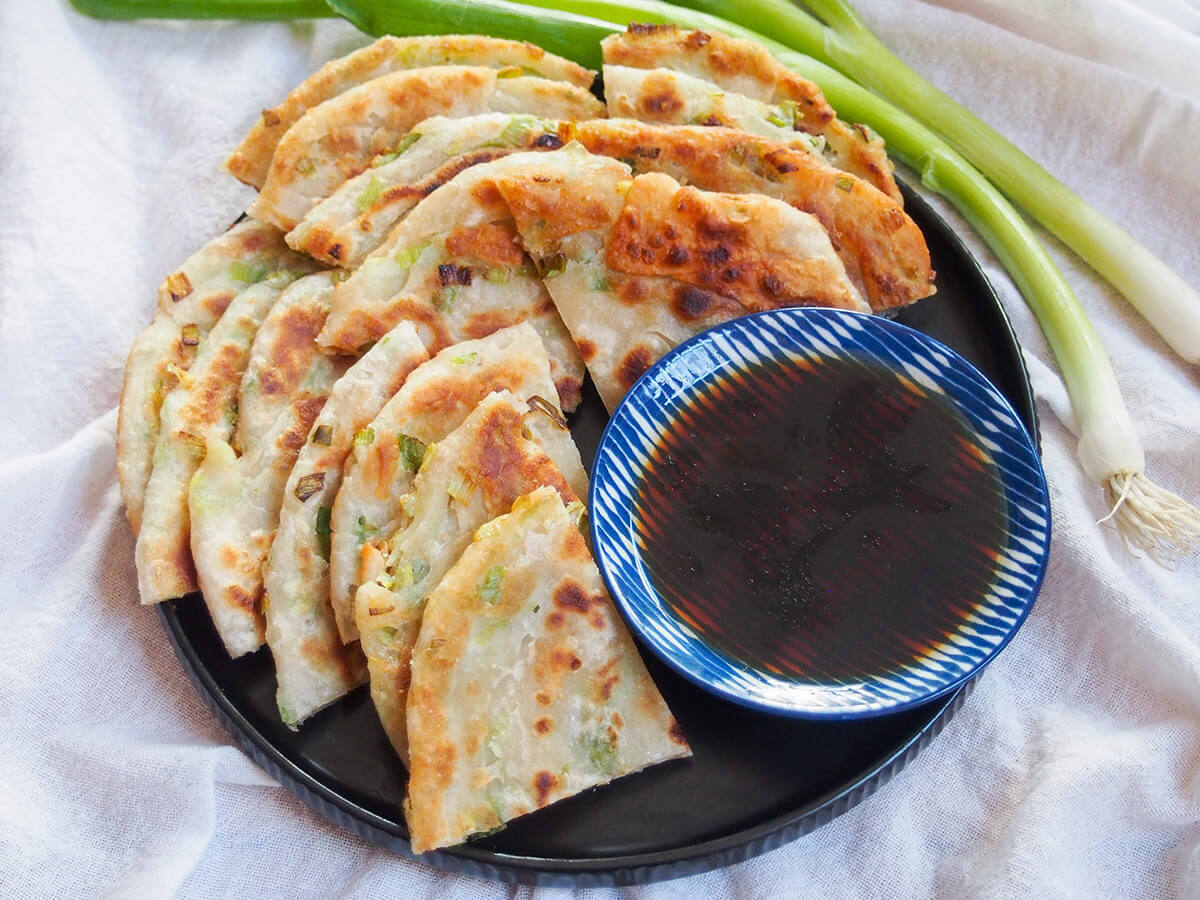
(498, 276)
(491, 590)
(323, 435)
(364, 436)
(370, 195)
(461, 487)
(406, 256)
(364, 530)
(412, 452)
(309, 485)
(250, 273)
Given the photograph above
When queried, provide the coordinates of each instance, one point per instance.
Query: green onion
(250, 273)
(497, 276)
(465, 358)
(364, 436)
(365, 530)
(370, 195)
(309, 485)
(516, 133)
(491, 590)
(1167, 302)
(461, 487)
(189, 335)
(412, 452)
(323, 435)
(420, 570)
(405, 142)
(386, 633)
(444, 299)
(406, 256)
(205, 9)
(324, 528)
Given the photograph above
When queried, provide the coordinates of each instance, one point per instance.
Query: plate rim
(666, 864)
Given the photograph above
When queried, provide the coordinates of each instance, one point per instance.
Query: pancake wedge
(881, 247)
(747, 69)
(190, 301)
(202, 405)
(640, 263)
(338, 139)
(501, 451)
(312, 666)
(434, 401)
(251, 160)
(234, 500)
(343, 228)
(454, 268)
(526, 686)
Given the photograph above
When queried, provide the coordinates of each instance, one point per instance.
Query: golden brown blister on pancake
(251, 160)
(526, 686)
(735, 66)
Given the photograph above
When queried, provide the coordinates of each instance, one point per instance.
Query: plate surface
(963, 607)
(756, 780)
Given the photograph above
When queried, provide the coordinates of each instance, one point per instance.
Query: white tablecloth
(1073, 770)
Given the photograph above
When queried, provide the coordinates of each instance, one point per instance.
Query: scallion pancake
(526, 686)
(501, 451)
(251, 160)
(387, 453)
(312, 666)
(235, 497)
(337, 139)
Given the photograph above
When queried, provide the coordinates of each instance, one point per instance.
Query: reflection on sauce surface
(824, 523)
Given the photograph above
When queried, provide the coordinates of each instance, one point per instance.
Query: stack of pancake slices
(347, 423)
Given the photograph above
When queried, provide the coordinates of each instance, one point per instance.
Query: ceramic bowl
(886, 625)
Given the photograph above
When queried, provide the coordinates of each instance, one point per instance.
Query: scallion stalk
(1165, 300)
(262, 10)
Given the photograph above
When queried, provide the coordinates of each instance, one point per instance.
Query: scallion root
(1150, 517)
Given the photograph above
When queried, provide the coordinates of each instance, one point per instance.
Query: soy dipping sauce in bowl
(820, 513)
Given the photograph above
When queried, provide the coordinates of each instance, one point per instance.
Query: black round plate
(755, 781)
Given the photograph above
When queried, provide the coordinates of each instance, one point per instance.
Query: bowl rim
(605, 562)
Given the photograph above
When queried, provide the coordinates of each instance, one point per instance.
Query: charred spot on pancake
(543, 698)
(641, 28)
(772, 284)
(664, 103)
(587, 349)
(698, 39)
(675, 733)
(636, 362)
(571, 596)
(335, 251)
(555, 620)
(694, 303)
(548, 142)
(544, 725)
(543, 783)
(270, 118)
(240, 597)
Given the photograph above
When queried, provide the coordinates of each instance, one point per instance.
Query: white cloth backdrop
(1073, 770)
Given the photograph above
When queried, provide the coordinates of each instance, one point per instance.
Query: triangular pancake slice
(202, 406)
(501, 451)
(338, 139)
(526, 686)
(312, 666)
(387, 453)
(346, 226)
(454, 267)
(252, 158)
(190, 301)
(234, 500)
(635, 266)
(882, 248)
(735, 66)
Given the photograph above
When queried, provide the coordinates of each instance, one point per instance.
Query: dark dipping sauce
(823, 522)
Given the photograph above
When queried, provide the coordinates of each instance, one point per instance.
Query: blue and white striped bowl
(798, 337)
